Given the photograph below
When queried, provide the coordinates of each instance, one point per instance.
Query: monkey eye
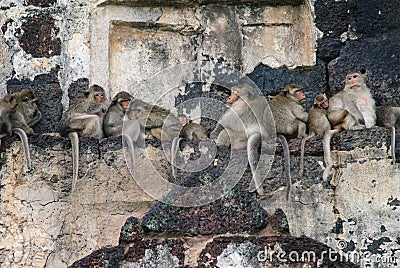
(98, 95)
(235, 92)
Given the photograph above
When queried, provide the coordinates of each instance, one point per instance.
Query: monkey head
(355, 80)
(9, 102)
(183, 119)
(97, 92)
(294, 92)
(244, 91)
(123, 98)
(321, 101)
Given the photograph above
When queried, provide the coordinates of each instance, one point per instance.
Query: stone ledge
(141, 3)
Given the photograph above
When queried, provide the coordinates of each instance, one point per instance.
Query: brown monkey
(27, 112)
(26, 115)
(83, 119)
(290, 120)
(243, 126)
(191, 131)
(353, 108)
(8, 105)
(388, 115)
(114, 117)
(319, 124)
(158, 123)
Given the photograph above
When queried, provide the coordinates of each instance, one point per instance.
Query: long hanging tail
(25, 145)
(75, 157)
(393, 145)
(303, 143)
(286, 156)
(253, 156)
(131, 152)
(327, 152)
(174, 150)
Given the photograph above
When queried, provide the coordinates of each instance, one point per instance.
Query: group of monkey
(243, 126)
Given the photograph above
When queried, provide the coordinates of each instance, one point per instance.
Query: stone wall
(171, 54)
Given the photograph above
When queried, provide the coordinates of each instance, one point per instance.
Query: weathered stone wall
(58, 48)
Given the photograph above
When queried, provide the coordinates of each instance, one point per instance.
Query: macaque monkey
(8, 106)
(242, 126)
(156, 122)
(388, 115)
(117, 124)
(318, 124)
(27, 112)
(83, 119)
(290, 120)
(353, 108)
(191, 131)
(114, 117)
(23, 114)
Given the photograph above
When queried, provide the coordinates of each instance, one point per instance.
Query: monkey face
(232, 98)
(99, 96)
(354, 80)
(299, 94)
(124, 104)
(183, 120)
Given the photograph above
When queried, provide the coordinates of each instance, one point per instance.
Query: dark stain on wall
(41, 3)
(48, 92)
(38, 36)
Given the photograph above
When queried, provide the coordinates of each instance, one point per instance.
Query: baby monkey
(318, 124)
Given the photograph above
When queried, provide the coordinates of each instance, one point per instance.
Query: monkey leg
(25, 145)
(253, 156)
(174, 151)
(75, 157)
(286, 156)
(92, 127)
(303, 143)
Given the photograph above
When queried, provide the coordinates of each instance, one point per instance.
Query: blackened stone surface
(333, 17)
(48, 93)
(272, 81)
(237, 212)
(379, 57)
(211, 255)
(39, 36)
(131, 231)
(77, 88)
(105, 257)
(375, 17)
(41, 3)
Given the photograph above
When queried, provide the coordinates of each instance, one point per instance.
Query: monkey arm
(36, 118)
(300, 113)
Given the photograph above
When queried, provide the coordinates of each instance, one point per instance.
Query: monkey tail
(393, 144)
(131, 152)
(303, 143)
(327, 152)
(286, 156)
(174, 150)
(253, 156)
(25, 145)
(75, 157)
